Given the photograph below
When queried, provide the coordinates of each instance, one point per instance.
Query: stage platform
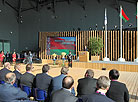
(108, 65)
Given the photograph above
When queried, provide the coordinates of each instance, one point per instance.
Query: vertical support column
(136, 60)
(105, 22)
(121, 59)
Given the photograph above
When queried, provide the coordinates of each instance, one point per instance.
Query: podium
(83, 56)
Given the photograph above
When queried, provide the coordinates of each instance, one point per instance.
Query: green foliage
(95, 46)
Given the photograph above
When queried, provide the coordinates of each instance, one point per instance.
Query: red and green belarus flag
(124, 16)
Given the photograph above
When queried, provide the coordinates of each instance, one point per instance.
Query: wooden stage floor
(129, 78)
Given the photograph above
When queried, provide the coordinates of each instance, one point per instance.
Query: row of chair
(39, 95)
(2, 82)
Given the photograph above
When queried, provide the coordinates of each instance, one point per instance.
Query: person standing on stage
(7, 57)
(30, 57)
(85, 48)
(2, 57)
(70, 59)
(14, 57)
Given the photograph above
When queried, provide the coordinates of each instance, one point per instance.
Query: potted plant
(95, 47)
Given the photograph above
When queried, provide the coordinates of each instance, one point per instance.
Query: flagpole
(136, 60)
(121, 59)
(105, 23)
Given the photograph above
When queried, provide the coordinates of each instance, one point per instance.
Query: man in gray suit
(64, 94)
(57, 81)
(9, 93)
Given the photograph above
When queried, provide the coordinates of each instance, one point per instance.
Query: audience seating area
(129, 78)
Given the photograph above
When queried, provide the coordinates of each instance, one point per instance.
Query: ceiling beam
(19, 10)
(53, 6)
(83, 4)
(6, 2)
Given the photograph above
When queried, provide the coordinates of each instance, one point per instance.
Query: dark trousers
(70, 63)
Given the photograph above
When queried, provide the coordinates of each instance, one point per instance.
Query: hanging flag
(136, 15)
(124, 16)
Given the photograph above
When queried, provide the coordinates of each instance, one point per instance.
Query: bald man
(64, 94)
(8, 93)
(5, 70)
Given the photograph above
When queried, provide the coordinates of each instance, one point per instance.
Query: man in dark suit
(43, 80)
(87, 85)
(5, 70)
(17, 70)
(8, 93)
(64, 94)
(7, 57)
(69, 59)
(27, 78)
(103, 84)
(117, 91)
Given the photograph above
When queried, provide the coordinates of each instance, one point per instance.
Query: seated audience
(43, 80)
(27, 78)
(87, 85)
(103, 84)
(64, 94)
(117, 91)
(5, 70)
(57, 81)
(8, 93)
(17, 69)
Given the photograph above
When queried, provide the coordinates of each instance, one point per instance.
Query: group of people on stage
(60, 88)
(13, 57)
(10, 57)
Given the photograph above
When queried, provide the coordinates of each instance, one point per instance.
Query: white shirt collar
(67, 89)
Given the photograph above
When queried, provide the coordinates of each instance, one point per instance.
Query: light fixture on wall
(21, 21)
(96, 26)
(85, 16)
(130, 25)
(115, 26)
(0, 11)
(103, 28)
(90, 28)
(11, 32)
(79, 29)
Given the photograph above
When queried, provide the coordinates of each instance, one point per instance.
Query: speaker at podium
(83, 56)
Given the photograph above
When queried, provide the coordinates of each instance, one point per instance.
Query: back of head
(103, 82)
(17, 66)
(114, 74)
(67, 82)
(45, 68)
(10, 78)
(89, 73)
(7, 65)
(28, 67)
(64, 70)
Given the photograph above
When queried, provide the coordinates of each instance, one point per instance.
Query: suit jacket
(43, 81)
(27, 79)
(86, 86)
(118, 92)
(63, 95)
(57, 82)
(8, 93)
(18, 76)
(3, 73)
(96, 97)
